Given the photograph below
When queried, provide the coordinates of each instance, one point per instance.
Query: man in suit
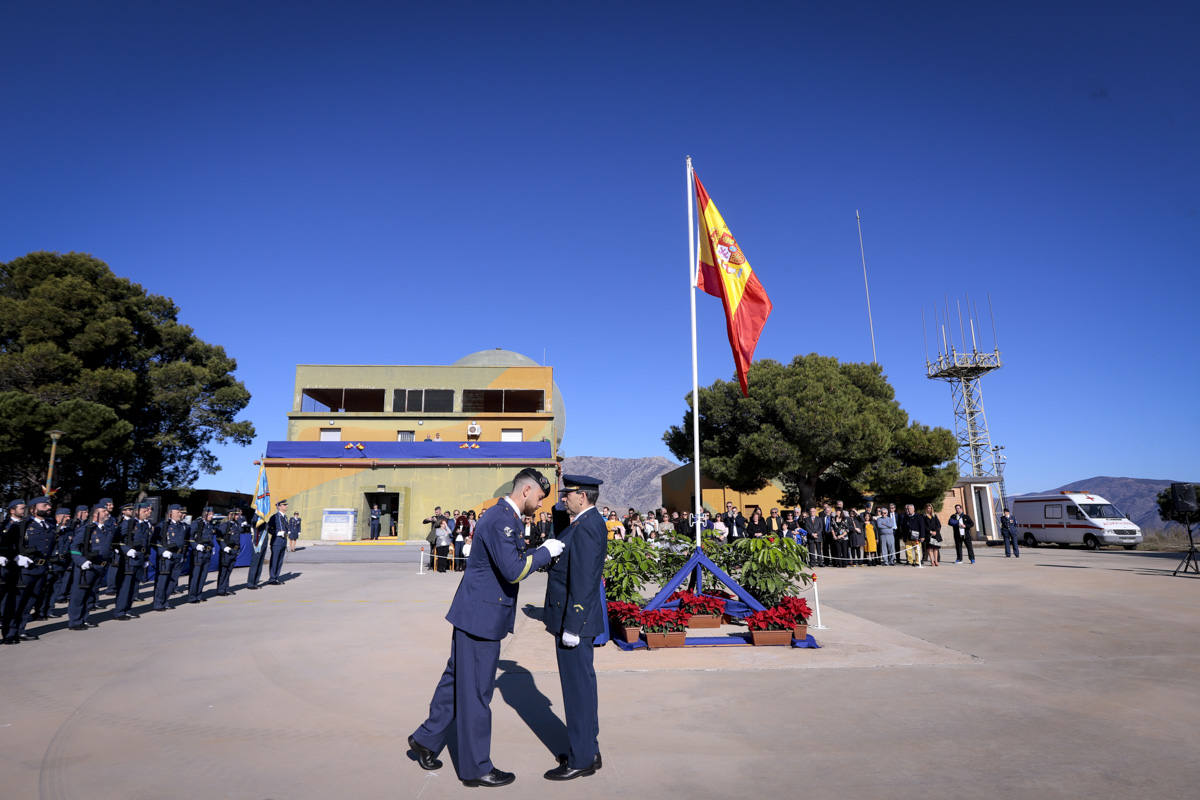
(962, 525)
(735, 523)
(575, 615)
(277, 529)
(374, 523)
(483, 612)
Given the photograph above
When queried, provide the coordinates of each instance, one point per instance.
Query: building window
(406, 436)
(331, 434)
(421, 400)
(439, 400)
(510, 401)
(512, 435)
(328, 400)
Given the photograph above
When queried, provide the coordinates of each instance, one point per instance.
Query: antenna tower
(963, 369)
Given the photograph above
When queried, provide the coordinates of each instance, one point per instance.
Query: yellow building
(678, 494)
(409, 438)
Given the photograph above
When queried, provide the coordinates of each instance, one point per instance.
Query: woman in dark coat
(858, 537)
(933, 535)
(840, 530)
(757, 526)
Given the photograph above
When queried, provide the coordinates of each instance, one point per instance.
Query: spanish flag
(725, 273)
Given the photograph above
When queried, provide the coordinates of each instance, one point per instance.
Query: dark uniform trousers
(257, 557)
(83, 592)
(52, 588)
(278, 550)
(10, 581)
(29, 591)
(168, 570)
(581, 702)
(225, 563)
(201, 564)
(128, 578)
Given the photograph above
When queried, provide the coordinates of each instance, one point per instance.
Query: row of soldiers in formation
(48, 557)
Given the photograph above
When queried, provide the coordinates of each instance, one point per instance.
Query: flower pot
(801, 631)
(632, 634)
(705, 621)
(771, 637)
(671, 639)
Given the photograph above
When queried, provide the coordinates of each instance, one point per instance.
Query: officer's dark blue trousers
(256, 564)
(62, 589)
(164, 581)
(127, 581)
(224, 570)
(463, 698)
(278, 550)
(51, 590)
(10, 578)
(83, 590)
(200, 565)
(33, 579)
(577, 673)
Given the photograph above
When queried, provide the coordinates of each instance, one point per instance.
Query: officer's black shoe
(563, 772)
(164, 608)
(92, 624)
(251, 587)
(29, 637)
(274, 582)
(9, 640)
(426, 758)
(597, 762)
(123, 617)
(494, 778)
(194, 600)
(77, 627)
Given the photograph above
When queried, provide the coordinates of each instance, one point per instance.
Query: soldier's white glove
(24, 561)
(131, 553)
(554, 546)
(569, 639)
(166, 554)
(200, 548)
(3, 561)
(86, 565)
(228, 549)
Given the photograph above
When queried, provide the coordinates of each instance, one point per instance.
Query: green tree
(823, 428)
(138, 395)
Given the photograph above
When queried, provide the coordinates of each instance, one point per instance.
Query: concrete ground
(1063, 674)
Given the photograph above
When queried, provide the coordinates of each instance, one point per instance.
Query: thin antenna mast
(863, 254)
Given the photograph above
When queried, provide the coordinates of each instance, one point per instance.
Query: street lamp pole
(1000, 458)
(55, 435)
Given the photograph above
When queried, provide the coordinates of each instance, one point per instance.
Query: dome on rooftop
(500, 357)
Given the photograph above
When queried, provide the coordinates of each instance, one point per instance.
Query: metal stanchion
(817, 604)
(421, 562)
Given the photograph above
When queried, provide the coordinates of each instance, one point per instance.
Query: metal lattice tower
(963, 370)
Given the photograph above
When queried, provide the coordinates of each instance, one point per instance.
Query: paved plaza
(1064, 674)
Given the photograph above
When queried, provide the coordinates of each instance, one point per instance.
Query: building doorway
(389, 508)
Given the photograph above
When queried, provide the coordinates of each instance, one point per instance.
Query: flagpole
(693, 269)
(862, 252)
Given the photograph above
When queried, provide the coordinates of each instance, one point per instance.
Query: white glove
(24, 561)
(86, 565)
(569, 639)
(130, 553)
(200, 548)
(228, 549)
(3, 561)
(554, 546)
(166, 554)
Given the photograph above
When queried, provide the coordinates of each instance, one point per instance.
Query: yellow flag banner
(725, 273)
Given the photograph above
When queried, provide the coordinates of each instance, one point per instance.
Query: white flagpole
(693, 270)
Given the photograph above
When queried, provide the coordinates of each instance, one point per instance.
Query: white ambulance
(1067, 518)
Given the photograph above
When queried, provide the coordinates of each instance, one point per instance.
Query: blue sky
(399, 183)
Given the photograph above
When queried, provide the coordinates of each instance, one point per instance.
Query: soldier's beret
(62, 510)
(104, 501)
(144, 504)
(573, 483)
(99, 506)
(81, 508)
(41, 499)
(14, 503)
(174, 507)
(207, 510)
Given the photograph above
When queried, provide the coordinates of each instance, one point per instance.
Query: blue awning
(411, 451)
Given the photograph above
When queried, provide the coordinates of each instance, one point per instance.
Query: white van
(1068, 518)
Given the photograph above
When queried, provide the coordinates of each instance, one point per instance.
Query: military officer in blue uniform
(59, 564)
(35, 540)
(574, 613)
(108, 577)
(201, 542)
(258, 546)
(171, 539)
(375, 522)
(10, 572)
(229, 542)
(482, 613)
(277, 528)
(91, 549)
(135, 551)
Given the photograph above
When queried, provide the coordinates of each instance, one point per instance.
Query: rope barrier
(875, 556)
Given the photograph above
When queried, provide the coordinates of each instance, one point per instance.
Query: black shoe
(10, 640)
(597, 762)
(274, 582)
(203, 599)
(194, 600)
(494, 778)
(563, 772)
(77, 627)
(251, 587)
(426, 758)
(29, 637)
(164, 608)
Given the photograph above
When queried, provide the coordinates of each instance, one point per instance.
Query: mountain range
(628, 482)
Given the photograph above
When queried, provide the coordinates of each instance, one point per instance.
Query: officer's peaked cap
(572, 483)
(127, 505)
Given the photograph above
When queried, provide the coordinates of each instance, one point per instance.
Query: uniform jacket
(573, 598)
(485, 604)
(202, 533)
(277, 525)
(229, 534)
(171, 536)
(36, 540)
(294, 525)
(93, 543)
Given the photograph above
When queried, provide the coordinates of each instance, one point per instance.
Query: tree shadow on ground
(517, 687)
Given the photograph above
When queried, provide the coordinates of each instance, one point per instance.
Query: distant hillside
(1134, 496)
(627, 481)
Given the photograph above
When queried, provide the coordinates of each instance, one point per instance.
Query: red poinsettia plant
(797, 607)
(698, 603)
(665, 620)
(771, 619)
(627, 615)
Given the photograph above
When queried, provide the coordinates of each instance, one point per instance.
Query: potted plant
(771, 626)
(798, 608)
(664, 627)
(772, 566)
(705, 612)
(626, 617)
